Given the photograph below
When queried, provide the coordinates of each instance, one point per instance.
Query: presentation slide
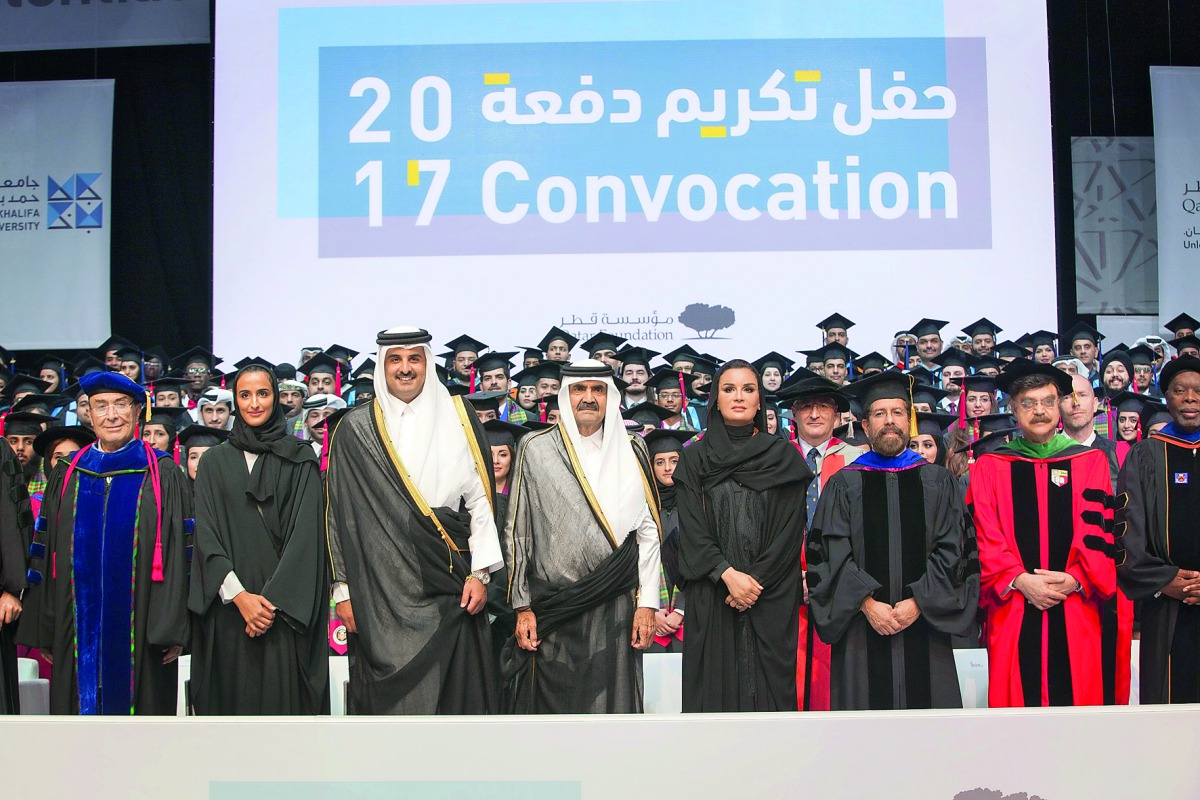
(676, 172)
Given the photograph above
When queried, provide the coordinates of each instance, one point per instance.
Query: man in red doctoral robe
(1042, 511)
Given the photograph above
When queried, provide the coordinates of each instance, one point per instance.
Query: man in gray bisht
(412, 541)
(584, 557)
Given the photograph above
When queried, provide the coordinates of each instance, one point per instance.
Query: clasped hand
(1185, 587)
(257, 611)
(1045, 588)
(744, 590)
(886, 619)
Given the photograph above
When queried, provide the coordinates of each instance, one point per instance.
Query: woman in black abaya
(259, 580)
(741, 495)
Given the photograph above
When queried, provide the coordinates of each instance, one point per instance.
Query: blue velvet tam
(99, 382)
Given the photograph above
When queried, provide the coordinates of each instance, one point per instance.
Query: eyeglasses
(197, 370)
(122, 407)
(1046, 403)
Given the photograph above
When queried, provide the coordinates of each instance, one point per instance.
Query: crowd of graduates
(954, 389)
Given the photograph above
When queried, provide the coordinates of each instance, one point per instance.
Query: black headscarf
(270, 437)
(757, 461)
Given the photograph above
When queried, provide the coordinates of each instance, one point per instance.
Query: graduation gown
(1161, 478)
(99, 593)
(579, 578)
(276, 548)
(894, 529)
(16, 526)
(813, 655)
(1051, 513)
(416, 651)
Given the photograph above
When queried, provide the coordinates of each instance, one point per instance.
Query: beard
(889, 441)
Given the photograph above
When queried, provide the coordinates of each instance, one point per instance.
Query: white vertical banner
(55, 184)
(1176, 95)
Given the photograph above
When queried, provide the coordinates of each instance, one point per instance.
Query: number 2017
(362, 133)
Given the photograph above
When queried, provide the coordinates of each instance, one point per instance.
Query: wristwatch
(483, 576)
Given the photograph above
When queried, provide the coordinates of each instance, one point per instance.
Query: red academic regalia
(1054, 514)
(812, 654)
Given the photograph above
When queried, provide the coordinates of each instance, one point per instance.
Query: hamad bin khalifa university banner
(718, 173)
(55, 178)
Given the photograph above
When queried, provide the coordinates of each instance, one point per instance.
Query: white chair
(34, 691)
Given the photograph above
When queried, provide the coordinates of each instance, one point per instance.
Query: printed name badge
(1181, 477)
(1058, 477)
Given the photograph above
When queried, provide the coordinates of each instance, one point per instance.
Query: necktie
(814, 488)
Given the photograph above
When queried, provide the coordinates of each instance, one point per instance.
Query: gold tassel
(148, 406)
(912, 410)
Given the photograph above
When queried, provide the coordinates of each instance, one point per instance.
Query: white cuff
(231, 587)
(341, 592)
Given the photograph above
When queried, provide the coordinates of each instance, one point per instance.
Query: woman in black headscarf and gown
(741, 495)
(259, 578)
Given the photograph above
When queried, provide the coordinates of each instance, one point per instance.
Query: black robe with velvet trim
(416, 651)
(160, 615)
(894, 535)
(1161, 477)
(286, 670)
(16, 524)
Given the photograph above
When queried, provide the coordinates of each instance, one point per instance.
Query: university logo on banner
(1058, 477)
(74, 203)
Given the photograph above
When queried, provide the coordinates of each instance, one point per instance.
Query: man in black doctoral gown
(112, 604)
(16, 524)
(891, 571)
(1161, 478)
(413, 541)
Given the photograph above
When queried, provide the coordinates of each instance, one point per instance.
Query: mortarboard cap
(871, 361)
(684, 353)
(835, 320)
(603, 341)
(504, 434)
(1153, 413)
(1182, 322)
(812, 388)
(256, 361)
(667, 441)
(928, 394)
(1011, 349)
(953, 357)
(648, 413)
(1022, 368)
(465, 344)
(101, 382)
(773, 359)
(1082, 331)
(1142, 355)
(322, 363)
(114, 342)
(285, 371)
(636, 355)
(197, 355)
(928, 327)
(703, 365)
(1181, 342)
(341, 353)
(981, 326)
(555, 334)
(934, 424)
(26, 423)
(486, 401)
(46, 441)
(365, 369)
(495, 360)
(201, 436)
